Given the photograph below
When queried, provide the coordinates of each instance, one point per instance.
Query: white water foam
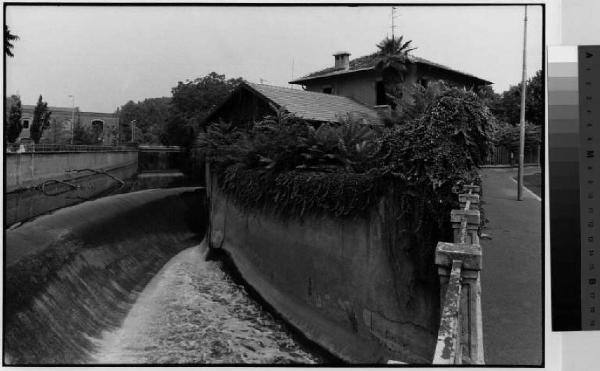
(192, 312)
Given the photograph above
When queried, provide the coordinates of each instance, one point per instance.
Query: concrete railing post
(470, 220)
(460, 337)
(470, 328)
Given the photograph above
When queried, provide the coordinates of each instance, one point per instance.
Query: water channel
(192, 311)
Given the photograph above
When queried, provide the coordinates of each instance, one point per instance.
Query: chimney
(342, 60)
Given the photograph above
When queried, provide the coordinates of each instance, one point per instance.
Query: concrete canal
(193, 312)
(124, 279)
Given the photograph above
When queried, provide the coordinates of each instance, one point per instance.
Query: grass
(534, 183)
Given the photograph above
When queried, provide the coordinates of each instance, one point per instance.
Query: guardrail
(460, 336)
(29, 148)
(151, 148)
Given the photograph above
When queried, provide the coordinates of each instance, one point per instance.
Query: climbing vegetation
(291, 167)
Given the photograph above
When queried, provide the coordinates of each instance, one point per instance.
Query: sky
(106, 56)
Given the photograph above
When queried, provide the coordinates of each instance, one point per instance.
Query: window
(98, 129)
(26, 124)
(328, 90)
(380, 98)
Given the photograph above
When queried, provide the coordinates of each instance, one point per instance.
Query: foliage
(191, 103)
(393, 58)
(448, 140)
(411, 100)
(509, 136)
(288, 166)
(151, 117)
(12, 123)
(8, 39)
(41, 120)
(84, 135)
(509, 106)
(393, 63)
(59, 132)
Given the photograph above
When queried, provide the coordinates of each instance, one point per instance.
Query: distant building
(105, 125)
(358, 79)
(252, 102)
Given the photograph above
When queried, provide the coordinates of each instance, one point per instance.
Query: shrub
(291, 167)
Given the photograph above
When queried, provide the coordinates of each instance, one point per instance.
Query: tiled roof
(367, 62)
(314, 106)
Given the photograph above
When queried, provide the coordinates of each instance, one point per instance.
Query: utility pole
(523, 93)
(72, 118)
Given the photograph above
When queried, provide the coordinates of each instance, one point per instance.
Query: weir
(75, 273)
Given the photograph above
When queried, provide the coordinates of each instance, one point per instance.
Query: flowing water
(193, 312)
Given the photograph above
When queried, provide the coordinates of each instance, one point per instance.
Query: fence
(28, 148)
(504, 156)
(460, 336)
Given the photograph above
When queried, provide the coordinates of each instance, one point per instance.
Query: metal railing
(29, 148)
(155, 148)
(504, 156)
(460, 336)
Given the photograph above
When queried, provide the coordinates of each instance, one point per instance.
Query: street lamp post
(72, 118)
(133, 130)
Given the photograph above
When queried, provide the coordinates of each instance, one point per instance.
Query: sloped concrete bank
(72, 274)
(359, 288)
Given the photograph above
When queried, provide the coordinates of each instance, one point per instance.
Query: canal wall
(30, 168)
(360, 288)
(26, 203)
(75, 273)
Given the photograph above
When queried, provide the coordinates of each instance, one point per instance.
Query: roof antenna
(292, 68)
(393, 24)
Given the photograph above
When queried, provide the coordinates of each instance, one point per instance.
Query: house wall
(60, 128)
(361, 86)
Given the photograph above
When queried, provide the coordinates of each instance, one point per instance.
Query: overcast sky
(105, 56)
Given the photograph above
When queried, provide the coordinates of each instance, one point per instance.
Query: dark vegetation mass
(286, 165)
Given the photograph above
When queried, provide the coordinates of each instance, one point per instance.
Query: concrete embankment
(39, 182)
(360, 288)
(75, 273)
(30, 168)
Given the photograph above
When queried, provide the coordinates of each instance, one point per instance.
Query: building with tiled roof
(251, 102)
(359, 79)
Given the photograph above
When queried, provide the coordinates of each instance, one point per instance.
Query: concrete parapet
(460, 336)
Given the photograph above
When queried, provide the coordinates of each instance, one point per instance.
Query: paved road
(511, 278)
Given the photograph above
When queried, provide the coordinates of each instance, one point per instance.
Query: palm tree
(8, 37)
(392, 58)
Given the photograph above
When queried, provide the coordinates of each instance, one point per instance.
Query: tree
(392, 58)
(83, 135)
(58, 132)
(393, 63)
(508, 109)
(41, 120)
(151, 116)
(192, 102)
(12, 123)
(8, 39)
